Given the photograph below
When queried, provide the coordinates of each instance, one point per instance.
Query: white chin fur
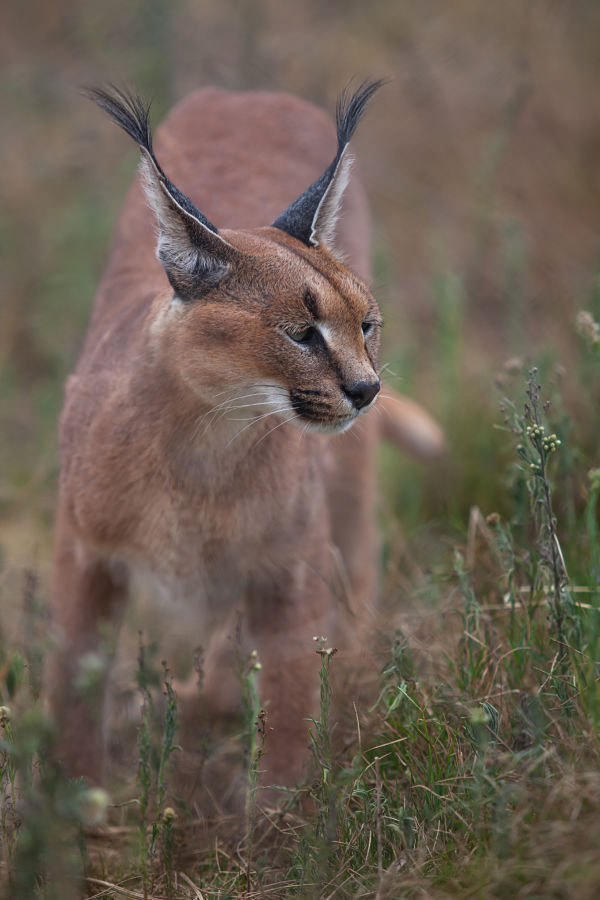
(338, 429)
(324, 427)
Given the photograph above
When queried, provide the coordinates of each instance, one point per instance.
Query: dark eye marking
(310, 303)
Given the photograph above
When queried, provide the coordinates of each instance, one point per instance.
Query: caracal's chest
(216, 533)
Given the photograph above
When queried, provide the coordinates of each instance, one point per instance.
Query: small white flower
(93, 806)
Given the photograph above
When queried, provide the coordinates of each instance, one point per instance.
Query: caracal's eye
(367, 328)
(302, 335)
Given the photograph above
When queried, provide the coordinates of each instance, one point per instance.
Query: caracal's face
(290, 332)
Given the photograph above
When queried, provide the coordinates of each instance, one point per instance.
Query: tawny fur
(161, 467)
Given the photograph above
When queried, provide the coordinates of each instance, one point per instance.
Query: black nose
(362, 392)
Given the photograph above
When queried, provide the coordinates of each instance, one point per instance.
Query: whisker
(352, 431)
(254, 420)
(248, 405)
(256, 384)
(252, 406)
(387, 370)
(226, 405)
(390, 397)
(275, 427)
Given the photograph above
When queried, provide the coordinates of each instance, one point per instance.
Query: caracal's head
(270, 320)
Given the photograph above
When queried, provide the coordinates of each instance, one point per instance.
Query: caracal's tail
(408, 427)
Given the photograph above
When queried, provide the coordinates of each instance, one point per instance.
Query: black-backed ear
(313, 216)
(190, 248)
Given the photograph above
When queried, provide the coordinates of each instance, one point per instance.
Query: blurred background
(481, 160)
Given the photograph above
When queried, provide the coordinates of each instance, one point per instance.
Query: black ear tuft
(129, 112)
(193, 253)
(133, 115)
(311, 217)
(350, 108)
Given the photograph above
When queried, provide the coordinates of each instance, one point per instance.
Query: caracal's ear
(313, 216)
(193, 253)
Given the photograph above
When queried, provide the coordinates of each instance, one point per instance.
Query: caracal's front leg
(283, 620)
(87, 603)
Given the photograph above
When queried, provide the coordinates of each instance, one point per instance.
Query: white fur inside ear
(174, 250)
(153, 190)
(174, 255)
(172, 242)
(327, 212)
